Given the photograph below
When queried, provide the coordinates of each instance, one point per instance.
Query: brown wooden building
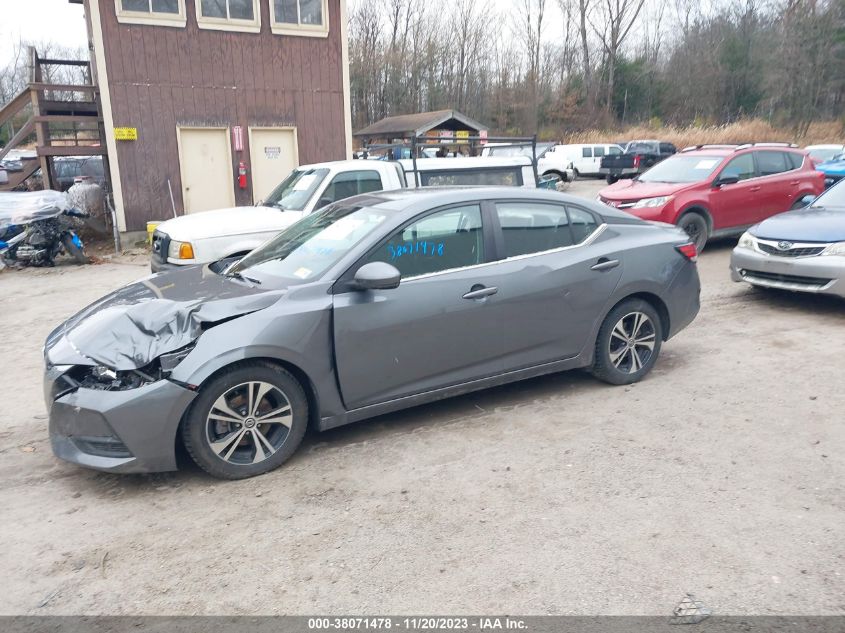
(190, 89)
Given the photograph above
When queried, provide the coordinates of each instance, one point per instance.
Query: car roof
(409, 202)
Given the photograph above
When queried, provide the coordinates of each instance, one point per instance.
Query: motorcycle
(41, 233)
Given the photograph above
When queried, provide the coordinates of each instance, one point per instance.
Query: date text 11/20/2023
(429, 623)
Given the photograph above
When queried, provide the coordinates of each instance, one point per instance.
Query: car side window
(742, 167)
(613, 151)
(583, 224)
(351, 183)
(598, 151)
(448, 239)
(586, 152)
(795, 160)
(771, 163)
(667, 148)
(530, 227)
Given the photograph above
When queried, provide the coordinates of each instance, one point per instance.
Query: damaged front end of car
(112, 402)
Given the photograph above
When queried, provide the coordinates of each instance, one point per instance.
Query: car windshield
(823, 155)
(833, 198)
(309, 247)
(682, 169)
(296, 190)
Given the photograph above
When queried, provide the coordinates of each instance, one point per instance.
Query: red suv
(717, 190)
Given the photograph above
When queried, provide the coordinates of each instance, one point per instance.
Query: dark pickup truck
(638, 157)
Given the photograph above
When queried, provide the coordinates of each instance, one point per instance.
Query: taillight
(689, 251)
(636, 160)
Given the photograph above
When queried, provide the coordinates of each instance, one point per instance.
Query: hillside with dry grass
(747, 131)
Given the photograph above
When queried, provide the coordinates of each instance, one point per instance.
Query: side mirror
(726, 180)
(377, 276)
(323, 202)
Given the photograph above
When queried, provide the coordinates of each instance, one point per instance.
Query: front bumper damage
(819, 275)
(127, 431)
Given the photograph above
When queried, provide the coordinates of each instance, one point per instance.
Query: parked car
(205, 237)
(823, 153)
(378, 303)
(584, 158)
(802, 250)
(718, 190)
(638, 157)
(68, 168)
(833, 169)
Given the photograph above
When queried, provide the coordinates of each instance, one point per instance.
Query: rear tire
(74, 251)
(628, 343)
(611, 180)
(696, 227)
(224, 432)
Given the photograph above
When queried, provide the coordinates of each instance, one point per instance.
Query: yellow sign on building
(126, 134)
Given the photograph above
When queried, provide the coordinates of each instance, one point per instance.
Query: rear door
(738, 204)
(553, 279)
(584, 160)
(779, 182)
(598, 154)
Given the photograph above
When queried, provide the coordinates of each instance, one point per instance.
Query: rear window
(642, 148)
(498, 176)
(683, 168)
(796, 160)
(770, 163)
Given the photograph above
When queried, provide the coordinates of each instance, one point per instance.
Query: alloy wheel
(632, 342)
(249, 422)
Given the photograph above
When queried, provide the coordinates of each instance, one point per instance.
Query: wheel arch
(700, 209)
(300, 374)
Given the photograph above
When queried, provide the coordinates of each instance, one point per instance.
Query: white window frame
(151, 18)
(301, 30)
(230, 24)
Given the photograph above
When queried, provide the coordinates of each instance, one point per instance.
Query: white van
(585, 157)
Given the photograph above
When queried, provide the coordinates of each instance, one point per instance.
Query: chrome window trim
(589, 240)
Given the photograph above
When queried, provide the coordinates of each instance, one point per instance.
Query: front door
(429, 332)
(205, 161)
(273, 153)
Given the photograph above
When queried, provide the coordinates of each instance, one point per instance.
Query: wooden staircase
(65, 119)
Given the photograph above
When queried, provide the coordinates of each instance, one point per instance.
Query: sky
(40, 20)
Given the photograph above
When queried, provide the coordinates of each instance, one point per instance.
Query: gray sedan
(801, 250)
(372, 305)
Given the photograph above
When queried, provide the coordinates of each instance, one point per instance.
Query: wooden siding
(163, 77)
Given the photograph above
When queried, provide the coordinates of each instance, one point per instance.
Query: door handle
(480, 292)
(755, 189)
(795, 183)
(605, 264)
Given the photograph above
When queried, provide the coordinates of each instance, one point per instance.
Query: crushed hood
(227, 222)
(136, 324)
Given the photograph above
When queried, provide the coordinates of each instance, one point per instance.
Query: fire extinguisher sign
(238, 138)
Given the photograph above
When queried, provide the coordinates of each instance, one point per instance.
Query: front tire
(611, 180)
(247, 421)
(696, 227)
(628, 343)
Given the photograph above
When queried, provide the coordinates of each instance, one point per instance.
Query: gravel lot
(720, 475)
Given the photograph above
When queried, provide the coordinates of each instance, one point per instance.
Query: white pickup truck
(208, 236)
